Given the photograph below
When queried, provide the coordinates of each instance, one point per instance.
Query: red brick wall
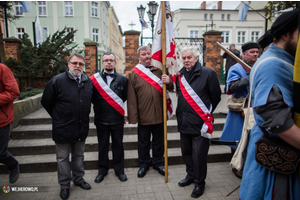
(11, 47)
(90, 57)
(131, 46)
(212, 53)
(39, 83)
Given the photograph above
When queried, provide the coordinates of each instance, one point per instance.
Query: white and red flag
(171, 63)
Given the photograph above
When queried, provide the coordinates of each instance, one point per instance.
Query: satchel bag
(239, 156)
(275, 154)
(236, 104)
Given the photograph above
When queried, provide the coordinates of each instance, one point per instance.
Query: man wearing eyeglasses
(67, 98)
(109, 95)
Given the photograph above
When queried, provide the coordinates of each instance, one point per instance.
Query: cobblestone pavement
(219, 182)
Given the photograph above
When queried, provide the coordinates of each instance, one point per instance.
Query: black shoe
(84, 185)
(160, 169)
(238, 174)
(100, 178)
(64, 194)
(142, 172)
(185, 182)
(197, 192)
(122, 177)
(14, 174)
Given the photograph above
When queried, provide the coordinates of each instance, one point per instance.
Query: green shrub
(29, 93)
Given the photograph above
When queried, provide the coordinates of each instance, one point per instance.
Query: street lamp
(151, 13)
(141, 12)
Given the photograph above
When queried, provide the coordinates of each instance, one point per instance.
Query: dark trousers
(66, 171)
(5, 157)
(144, 135)
(194, 149)
(103, 133)
(225, 79)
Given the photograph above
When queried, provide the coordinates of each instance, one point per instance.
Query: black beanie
(249, 45)
(285, 23)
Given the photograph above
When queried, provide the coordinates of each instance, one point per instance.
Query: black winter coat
(69, 105)
(205, 83)
(229, 60)
(105, 114)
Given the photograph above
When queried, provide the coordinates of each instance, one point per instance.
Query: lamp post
(141, 12)
(151, 13)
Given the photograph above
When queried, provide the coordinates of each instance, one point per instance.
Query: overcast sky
(127, 11)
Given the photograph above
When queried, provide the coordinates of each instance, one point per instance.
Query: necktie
(78, 80)
(148, 66)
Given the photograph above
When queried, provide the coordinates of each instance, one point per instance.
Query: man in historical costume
(109, 95)
(199, 93)
(272, 102)
(238, 86)
(229, 61)
(67, 98)
(145, 107)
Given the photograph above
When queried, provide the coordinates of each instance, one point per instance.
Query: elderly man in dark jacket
(67, 98)
(230, 61)
(198, 95)
(110, 93)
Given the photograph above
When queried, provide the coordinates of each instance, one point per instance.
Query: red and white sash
(198, 106)
(110, 96)
(156, 82)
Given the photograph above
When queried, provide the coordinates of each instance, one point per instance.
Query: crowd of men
(68, 98)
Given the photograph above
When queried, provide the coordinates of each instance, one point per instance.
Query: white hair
(190, 48)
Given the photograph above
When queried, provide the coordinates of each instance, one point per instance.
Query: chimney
(219, 5)
(203, 5)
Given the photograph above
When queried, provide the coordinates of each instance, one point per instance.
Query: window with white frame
(211, 16)
(68, 8)
(20, 32)
(18, 8)
(225, 37)
(68, 30)
(94, 9)
(223, 17)
(205, 16)
(95, 34)
(42, 8)
(255, 35)
(194, 34)
(241, 37)
(228, 16)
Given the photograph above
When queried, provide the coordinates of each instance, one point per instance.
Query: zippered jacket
(69, 105)
(9, 91)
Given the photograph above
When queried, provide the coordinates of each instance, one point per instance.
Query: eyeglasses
(109, 60)
(77, 63)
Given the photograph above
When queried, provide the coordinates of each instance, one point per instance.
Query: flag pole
(163, 35)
